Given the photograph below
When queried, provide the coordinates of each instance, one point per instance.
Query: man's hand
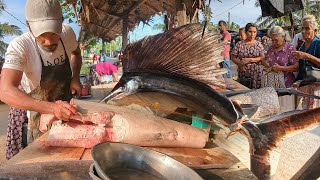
(63, 110)
(75, 86)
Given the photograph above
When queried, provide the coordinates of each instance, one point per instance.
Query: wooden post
(181, 14)
(110, 48)
(292, 24)
(103, 45)
(125, 24)
(229, 20)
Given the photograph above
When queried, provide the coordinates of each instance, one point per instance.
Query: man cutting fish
(46, 62)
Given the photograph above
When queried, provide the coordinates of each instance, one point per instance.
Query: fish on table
(183, 62)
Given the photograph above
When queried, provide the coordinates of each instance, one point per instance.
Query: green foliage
(68, 12)
(84, 69)
(234, 26)
(207, 13)
(212, 27)
(6, 29)
(159, 26)
(97, 46)
(311, 7)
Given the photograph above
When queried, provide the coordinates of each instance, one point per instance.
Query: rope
(228, 9)
(2, 7)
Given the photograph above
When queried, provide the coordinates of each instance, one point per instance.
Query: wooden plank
(296, 152)
(52, 170)
(87, 155)
(310, 170)
(207, 158)
(38, 152)
(235, 85)
(162, 104)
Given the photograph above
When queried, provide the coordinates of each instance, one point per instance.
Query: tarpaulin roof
(278, 8)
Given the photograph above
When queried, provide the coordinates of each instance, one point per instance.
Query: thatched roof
(104, 18)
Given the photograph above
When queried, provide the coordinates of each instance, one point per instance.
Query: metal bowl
(249, 109)
(125, 161)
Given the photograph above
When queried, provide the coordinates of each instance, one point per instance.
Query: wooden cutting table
(41, 162)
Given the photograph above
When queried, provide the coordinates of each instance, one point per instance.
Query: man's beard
(50, 48)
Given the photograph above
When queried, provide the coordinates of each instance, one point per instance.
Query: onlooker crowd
(272, 60)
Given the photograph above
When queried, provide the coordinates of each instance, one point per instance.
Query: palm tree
(234, 26)
(6, 29)
(311, 7)
(159, 26)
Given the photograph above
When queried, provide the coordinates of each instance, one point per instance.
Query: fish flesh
(102, 122)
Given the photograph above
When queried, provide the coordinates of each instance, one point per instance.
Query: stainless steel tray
(125, 161)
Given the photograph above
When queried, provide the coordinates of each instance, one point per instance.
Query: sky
(240, 14)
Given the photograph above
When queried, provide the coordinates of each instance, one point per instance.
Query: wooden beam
(134, 7)
(113, 15)
(101, 27)
(125, 15)
(125, 23)
(150, 6)
(168, 7)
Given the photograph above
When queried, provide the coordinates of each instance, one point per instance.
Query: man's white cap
(44, 16)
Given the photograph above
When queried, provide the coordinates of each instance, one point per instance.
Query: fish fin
(179, 51)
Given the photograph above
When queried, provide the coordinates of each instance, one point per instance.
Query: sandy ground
(3, 131)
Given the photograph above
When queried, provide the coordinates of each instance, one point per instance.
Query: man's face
(48, 41)
(222, 27)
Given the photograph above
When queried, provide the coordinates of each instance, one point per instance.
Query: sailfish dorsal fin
(181, 51)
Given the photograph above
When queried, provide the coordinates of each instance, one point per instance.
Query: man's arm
(227, 38)
(11, 95)
(76, 63)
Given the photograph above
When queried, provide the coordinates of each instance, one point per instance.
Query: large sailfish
(184, 62)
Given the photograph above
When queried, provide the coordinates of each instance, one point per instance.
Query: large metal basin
(125, 161)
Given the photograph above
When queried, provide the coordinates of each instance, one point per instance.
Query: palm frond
(259, 19)
(3, 48)
(257, 3)
(2, 6)
(9, 29)
(266, 22)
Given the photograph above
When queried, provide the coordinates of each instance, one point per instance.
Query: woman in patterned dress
(248, 54)
(16, 119)
(280, 55)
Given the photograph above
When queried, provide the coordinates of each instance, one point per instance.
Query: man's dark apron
(54, 85)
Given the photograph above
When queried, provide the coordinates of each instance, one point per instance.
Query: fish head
(125, 87)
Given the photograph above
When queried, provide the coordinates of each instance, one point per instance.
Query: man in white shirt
(46, 61)
(297, 41)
